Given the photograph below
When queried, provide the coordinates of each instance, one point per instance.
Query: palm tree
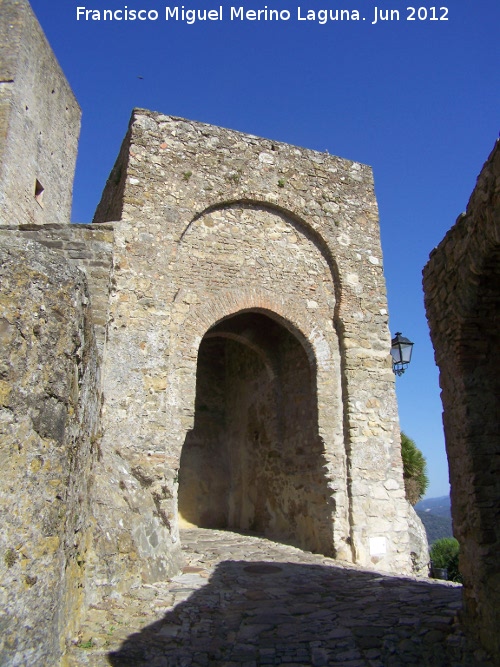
(414, 470)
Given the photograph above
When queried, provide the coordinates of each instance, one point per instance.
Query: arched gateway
(254, 379)
(254, 459)
(249, 315)
(242, 376)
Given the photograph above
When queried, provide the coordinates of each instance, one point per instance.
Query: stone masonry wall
(85, 246)
(120, 492)
(213, 223)
(39, 123)
(462, 296)
(49, 440)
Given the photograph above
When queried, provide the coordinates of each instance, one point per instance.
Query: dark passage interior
(254, 460)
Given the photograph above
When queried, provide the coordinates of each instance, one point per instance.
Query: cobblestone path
(246, 601)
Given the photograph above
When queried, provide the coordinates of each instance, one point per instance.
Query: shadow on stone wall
(262, 613)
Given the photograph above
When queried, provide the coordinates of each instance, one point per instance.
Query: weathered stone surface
(86, 246)
(49, 419)
(462, 296)
(419, 548)
(39, 123)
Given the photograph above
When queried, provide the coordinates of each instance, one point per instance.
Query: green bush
(414, 470)
(444, 554)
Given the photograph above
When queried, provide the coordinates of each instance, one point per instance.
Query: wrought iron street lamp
(401, 349)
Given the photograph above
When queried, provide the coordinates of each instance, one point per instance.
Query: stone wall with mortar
(39, 123)
(122, 502)
(213, 223)
(49, 439)
(462, 296)
(87, 247)
(120, 493)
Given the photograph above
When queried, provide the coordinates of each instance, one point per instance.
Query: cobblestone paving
(245, 601)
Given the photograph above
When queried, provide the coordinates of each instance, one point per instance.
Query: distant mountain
(439, 506)
(435, 526)
(435, 514)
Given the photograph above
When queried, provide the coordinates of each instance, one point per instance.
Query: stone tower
(39, 124)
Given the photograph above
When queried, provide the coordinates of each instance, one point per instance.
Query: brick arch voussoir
(202, 317)
(285, 311)
(286, 209)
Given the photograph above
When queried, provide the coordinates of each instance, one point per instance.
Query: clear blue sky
(417, 100)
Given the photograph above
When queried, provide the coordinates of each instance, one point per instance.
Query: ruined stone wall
(49, 440)
(39, 123)
(462, 296)
(214, 223)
